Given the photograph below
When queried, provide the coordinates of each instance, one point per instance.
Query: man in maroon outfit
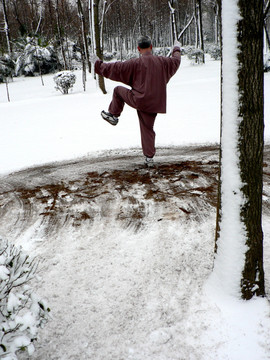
(147, 76)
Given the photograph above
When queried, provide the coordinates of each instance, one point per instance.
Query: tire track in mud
(15, 209)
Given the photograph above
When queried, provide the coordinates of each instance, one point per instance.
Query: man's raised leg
(121, 95)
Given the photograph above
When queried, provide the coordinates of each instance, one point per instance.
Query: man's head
(144, 44)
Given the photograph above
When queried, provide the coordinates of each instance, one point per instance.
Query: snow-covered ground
(126, 253)
(41, 125)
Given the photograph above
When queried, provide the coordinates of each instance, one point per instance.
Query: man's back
(147, 75)
(151, 75)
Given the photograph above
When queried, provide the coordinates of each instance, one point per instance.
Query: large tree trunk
(218, 217)
(251, 132)
(242, 121)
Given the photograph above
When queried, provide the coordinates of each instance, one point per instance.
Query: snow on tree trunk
(238, 264)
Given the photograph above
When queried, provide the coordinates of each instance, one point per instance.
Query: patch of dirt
(179, 188)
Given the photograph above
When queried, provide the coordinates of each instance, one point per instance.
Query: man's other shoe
(113, 120)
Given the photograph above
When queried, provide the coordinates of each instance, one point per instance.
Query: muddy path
(183, 182)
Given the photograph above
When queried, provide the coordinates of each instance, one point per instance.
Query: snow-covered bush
(21, 311)
(161, 51)
(194, 54)
(64, 81)
(214, 50)
(6, 67)
(35, 56)
(108, 56)
(73, 55)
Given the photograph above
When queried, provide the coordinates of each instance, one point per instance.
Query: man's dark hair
(144, 42)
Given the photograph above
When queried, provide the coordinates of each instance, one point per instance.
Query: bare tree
(173, 22)
(200, 27)
(97, 40)
(60, 37)
(6, 26)
(84, 34)
(40, 17)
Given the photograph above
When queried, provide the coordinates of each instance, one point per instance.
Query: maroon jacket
(147, 75)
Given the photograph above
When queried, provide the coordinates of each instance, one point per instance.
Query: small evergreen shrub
(35, 56)
(64, 81)
(21, 311)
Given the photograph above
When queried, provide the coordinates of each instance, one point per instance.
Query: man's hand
(93, 58)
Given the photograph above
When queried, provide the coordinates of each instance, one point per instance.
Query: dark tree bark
(251, 132)
(218, 217)
(200, 27)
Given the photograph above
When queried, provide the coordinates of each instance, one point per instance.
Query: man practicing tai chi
(147, 76)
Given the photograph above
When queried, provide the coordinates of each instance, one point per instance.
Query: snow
(125, 292)
(46, 126)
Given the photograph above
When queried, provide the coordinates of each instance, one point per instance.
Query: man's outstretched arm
(117, 71)
(174, 61)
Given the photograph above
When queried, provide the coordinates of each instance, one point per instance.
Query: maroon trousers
(122, 95)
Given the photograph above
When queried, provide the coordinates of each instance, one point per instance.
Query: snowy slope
(126, 253)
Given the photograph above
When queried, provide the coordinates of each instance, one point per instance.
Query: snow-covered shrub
(161, 51)
(128, 55)
(266, 62)
(108, 56)
(73, 55)
(214, 50)
(21, 311)
(6, 67)
(64, 81)
(194, 54)
(35, 56)
(187, 49)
